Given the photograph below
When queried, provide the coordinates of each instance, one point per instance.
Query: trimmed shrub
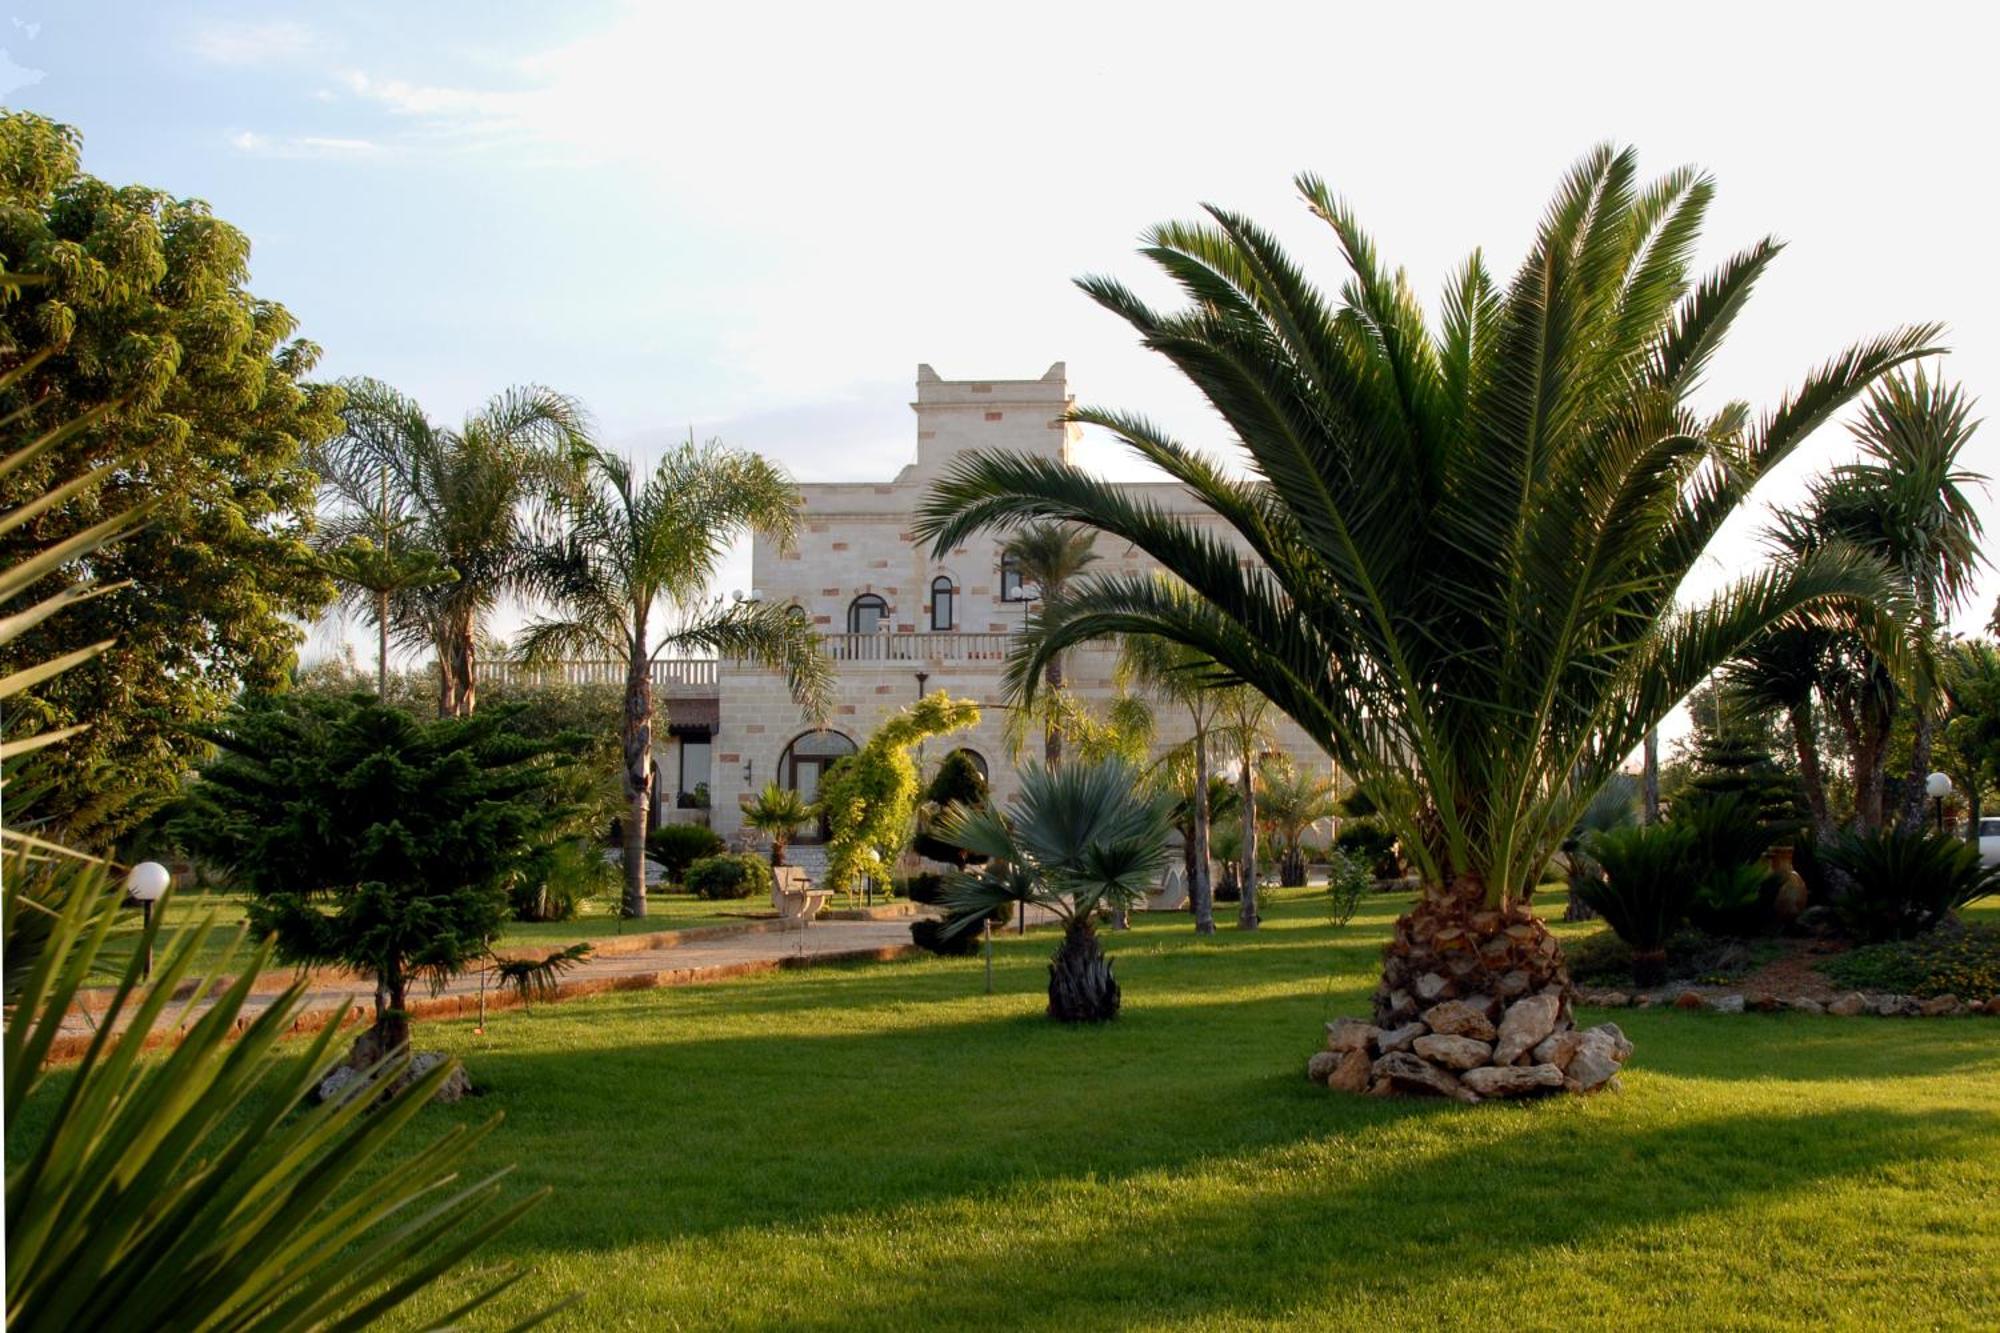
(1897, 885)
(678, 846)
(1373, 843)
(732, 875)
(928, 934)
(927, 888)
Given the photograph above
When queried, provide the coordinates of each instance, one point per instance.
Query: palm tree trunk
(1649, 782)
(1806, 744)
(1869, 769)
(638, 738)
(1081, 987)
(1052, 743)
(1246, 910)
(392, 1018)
(1201, 893)
(1921, 747)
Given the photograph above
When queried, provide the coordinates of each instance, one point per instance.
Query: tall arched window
(944, 603)
(866, 614)
(802, 765)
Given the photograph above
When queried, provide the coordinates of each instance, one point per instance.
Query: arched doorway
(803, 765)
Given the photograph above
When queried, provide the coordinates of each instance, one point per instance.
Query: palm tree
(1246, 727)
(1906, 500)
(629, 579)
(777, 812)
(1073, 840)
(1784, 670)
(1050, 556)
(1175, 674)
(1467, 539)
(1294, 799)
(474, 495)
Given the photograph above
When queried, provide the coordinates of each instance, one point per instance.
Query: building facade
(896, 622)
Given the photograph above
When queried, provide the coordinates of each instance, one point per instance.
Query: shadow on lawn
(1397, 1229)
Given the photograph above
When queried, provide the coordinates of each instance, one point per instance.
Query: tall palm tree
(1906, 500)
(474, 495)
(1073, 840)
(1467, 538)
(1176, 674)
(1051, 556)
(1246, 726)
(629, 580)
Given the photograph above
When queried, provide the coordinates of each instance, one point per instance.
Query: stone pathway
(634, 962)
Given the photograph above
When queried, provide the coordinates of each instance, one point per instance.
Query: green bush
(1347, 879)
(678, 846)
(1637, 880)
(557, 881)
(1373, 844)
(927, 887)
(1965, 963)
(929, 934)
(1896, 885)
(731, 875)
(1730, 838)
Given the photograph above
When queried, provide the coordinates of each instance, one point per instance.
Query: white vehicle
(1989, 842)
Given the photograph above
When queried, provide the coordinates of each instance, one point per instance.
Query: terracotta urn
(1791, 897)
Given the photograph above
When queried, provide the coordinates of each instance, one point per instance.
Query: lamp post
(144, 884)
(1938, 786)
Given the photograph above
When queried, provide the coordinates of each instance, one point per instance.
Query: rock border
(1882, 1004)
(1471, 1050)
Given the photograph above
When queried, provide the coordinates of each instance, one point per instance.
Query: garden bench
(793, 894)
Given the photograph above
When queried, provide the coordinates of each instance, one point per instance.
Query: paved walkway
(632, 962)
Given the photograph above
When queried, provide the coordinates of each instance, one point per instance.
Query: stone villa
(896, 622)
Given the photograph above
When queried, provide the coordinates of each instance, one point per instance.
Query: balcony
(672, 676)
(928, 647)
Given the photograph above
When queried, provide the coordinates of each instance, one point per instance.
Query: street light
(1938, 786)
(144, 884)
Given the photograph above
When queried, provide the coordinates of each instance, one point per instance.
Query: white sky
(756, 220)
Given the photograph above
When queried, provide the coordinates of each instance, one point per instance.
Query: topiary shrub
(1373, 844)
(678, 846)
(927, 888)
(1897, 885)
(731, 875)
(930, 934)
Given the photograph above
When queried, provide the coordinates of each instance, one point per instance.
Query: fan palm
(777, 812)
(629, 580)
(473, 494)
(1073, 840)
(1050, 557)
(1467, 539)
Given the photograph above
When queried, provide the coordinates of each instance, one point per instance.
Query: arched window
(944, 603)
(1010, 580)
(866, 614)
(803, 765)
(977, 760)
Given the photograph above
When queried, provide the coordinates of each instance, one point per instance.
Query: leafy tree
(1466, 541)
(373, 841)
(131, 320)
(869, 799)
(777, 812)
(1049, 557)
(1073, 840)
(629, 580)
(470, 497)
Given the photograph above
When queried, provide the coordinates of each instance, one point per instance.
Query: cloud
(301, 146)
(14, 77)
(248, 44)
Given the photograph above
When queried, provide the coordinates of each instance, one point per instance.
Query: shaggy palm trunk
(1806, 746)
(391, 1031)
(457, 665)
(638, 739)
(1081, 987)
(1454, 945)
(1649, 781)
(1052, 744)
(1920, 768)
(1201, 892)
(1246, 911)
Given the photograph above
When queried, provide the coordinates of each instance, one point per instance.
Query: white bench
(793, 895)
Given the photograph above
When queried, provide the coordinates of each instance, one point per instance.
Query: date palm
(629, 579)
(1468, 536)
(1294, 799)
(1051, 556)
(777, 813)
(1074, 840)
(473, 496)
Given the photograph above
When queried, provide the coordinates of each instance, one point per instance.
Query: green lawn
(885, 1145)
